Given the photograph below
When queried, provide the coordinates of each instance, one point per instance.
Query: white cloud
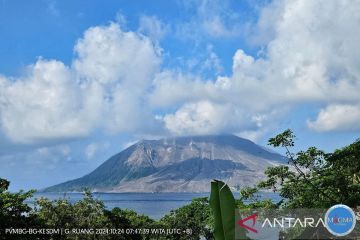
(215, 19)
(171, 88)
(206, 117)
(152, 27)
(120, 19)
(103, 88)
(124, 63)
(253, 135)
(45, 156)
(310, 57)
(107, 54)
(313, 56)
(116, 82)
(91, 150)
(129, 143)
(46, 103)
(132, 61)
(212, 61)
(197, 118)
(337, 117)
(216, 27)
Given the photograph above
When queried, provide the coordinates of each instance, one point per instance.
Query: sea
(154, 205)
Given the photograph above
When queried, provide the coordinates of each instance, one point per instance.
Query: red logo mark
(253, 218)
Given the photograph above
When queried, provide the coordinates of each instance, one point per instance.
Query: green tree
(195, 216)
(14, 212)
(315, 179)
(312, 179)
(88, 213)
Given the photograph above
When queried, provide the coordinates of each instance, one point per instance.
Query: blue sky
(81, 80)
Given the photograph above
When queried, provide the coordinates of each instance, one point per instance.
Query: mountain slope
(178, 164)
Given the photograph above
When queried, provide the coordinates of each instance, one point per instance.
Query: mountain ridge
(179, 164)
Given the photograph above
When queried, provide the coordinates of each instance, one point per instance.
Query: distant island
(178, 164)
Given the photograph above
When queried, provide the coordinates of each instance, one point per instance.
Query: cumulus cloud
(46, 103)
(108, 54)
(103, 88)
(310, 57)
(116, 82)
(206, 117)
(124, 64)
(198, 118)
(337, 117)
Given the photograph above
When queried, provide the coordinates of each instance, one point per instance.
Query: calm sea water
(154, 205)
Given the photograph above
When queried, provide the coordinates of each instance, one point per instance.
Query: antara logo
(252, 218)
(339, 220)
(282, 222)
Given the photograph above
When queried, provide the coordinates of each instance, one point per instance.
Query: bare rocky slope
(181, 164)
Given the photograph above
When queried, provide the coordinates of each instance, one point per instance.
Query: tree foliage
(315, 179)
(90, 213)
(13, 211)
(195, 216)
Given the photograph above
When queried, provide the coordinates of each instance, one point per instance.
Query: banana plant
(222, 203)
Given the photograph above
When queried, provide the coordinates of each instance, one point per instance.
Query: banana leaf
(222, 203)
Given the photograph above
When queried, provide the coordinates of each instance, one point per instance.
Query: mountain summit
(179, 164)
